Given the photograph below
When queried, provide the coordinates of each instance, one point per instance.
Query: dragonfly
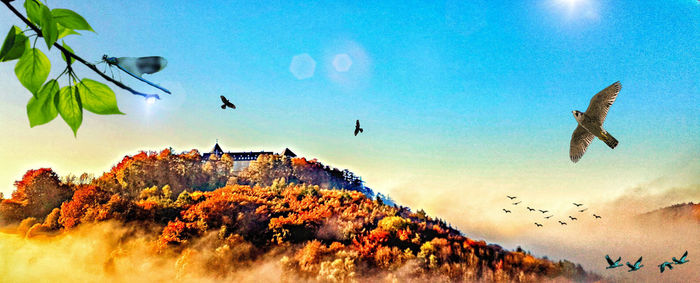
(137, 66)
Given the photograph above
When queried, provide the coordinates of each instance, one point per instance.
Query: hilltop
(305, 219)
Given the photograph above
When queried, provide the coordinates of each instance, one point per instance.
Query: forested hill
(306, 220)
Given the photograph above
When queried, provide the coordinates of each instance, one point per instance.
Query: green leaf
(98, 98)
(14, 45)
(69, 49)
(70, 19)
(64, 31)
(32, 69)
(33, 8)
(70, 107)
(49, 28)
(41, 108)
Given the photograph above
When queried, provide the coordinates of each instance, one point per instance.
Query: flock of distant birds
(550, 216)
(612, 264)
(638, 264)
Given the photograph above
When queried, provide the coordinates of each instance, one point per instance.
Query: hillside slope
(296, 215)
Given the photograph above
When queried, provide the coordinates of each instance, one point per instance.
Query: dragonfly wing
(142, 65)
(142, 79)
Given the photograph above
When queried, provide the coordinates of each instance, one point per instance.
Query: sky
(457, 98)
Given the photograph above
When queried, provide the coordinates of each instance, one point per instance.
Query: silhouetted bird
(543, 211)
(682, 260)
(596, 216)
(582, 210)
(562, 223)
(510, 197)
(516, 203)
(506, 211)
(637, 265)
(664, 265)
(227, 103)
(577, 204)
(357, 127)
(572, 218)
(613, 264)
(538, 224)
(590, 123)
(547, 217)
(530, 209)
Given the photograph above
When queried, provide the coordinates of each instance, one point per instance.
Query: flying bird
(516, 203)
(510, 197)
(637, 265)
(547, 217)
(596, 216)
(590, 123)
(665, 265)
(611, 263)
(543, 211)
(562, 223)
(227, 103)
(577, 204)
(573, 218)
(538, 224)
(682, 260)
(582, 210)
(357, 127)
(506, 211)
(530, 209)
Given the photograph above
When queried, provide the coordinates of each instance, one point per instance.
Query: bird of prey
(227, 103)
(577, 204)
(510, 197)
(611, 263)
(530, 209)
(543, 211)
(582, 210)
(357, 127)
(637, 265)
(506, 211)
(538, 224)
(516, 203)
(562, 223)
(548, 217)
(682, 260)
(573, 218)
(590, 123)
(665, 265)
(596, 216)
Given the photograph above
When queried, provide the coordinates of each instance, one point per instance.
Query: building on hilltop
(241, 159)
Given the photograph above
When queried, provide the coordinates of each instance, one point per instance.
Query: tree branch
(76, 57)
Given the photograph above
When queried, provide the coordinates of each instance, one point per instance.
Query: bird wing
(357, 123)
(610, 261)
(224, 100)
(684, 255)
(580, 140)
(600, 103)
(638, 261)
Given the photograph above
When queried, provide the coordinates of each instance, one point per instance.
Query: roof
(288, 152)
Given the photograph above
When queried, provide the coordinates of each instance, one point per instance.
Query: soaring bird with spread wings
(590, 123)
(227, 103)
(357, 127)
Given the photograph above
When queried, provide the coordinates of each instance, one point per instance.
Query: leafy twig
(73, 55)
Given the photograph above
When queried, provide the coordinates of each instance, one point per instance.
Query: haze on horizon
(456, 99)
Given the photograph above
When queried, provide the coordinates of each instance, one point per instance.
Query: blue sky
(456, 97)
